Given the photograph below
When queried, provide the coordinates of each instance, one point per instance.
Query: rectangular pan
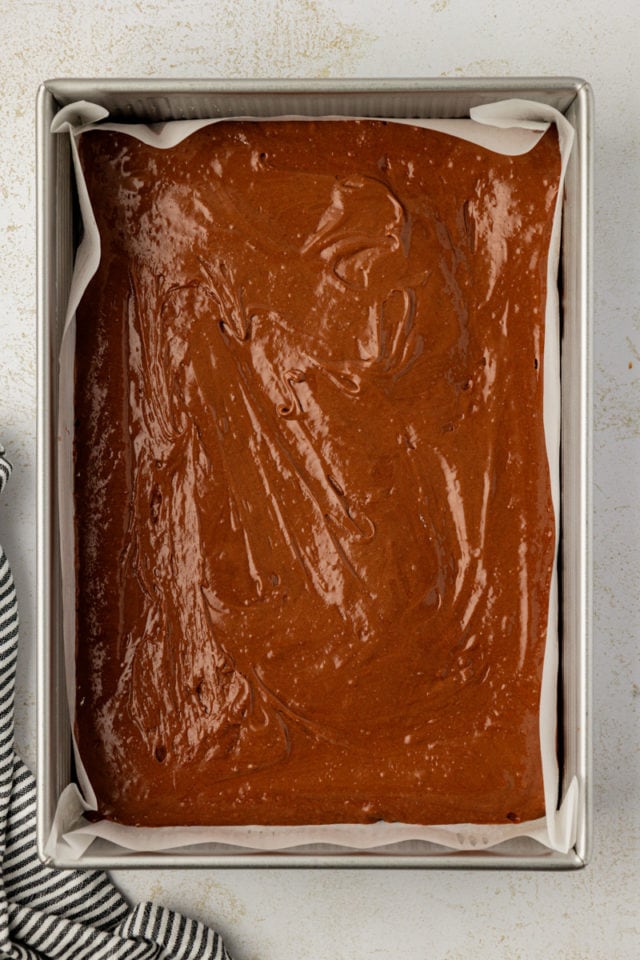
(162, 100)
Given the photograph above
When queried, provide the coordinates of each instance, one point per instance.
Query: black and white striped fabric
(67, 914)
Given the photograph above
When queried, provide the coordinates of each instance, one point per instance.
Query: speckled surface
(590, 915)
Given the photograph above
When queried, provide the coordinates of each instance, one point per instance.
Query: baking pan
(162, 100)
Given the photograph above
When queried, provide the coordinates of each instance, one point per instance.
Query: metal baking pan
(161, 100)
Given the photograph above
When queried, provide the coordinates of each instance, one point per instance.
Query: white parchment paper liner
(510, 127)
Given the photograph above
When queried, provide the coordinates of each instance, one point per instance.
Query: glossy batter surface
(314, 526)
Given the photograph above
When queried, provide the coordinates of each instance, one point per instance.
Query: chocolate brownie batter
(314, 526)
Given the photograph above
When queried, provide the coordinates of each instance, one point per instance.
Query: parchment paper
(510, 127)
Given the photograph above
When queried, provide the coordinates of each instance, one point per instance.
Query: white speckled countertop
(307, 915)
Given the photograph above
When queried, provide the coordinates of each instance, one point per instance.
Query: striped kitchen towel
(67, 914)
